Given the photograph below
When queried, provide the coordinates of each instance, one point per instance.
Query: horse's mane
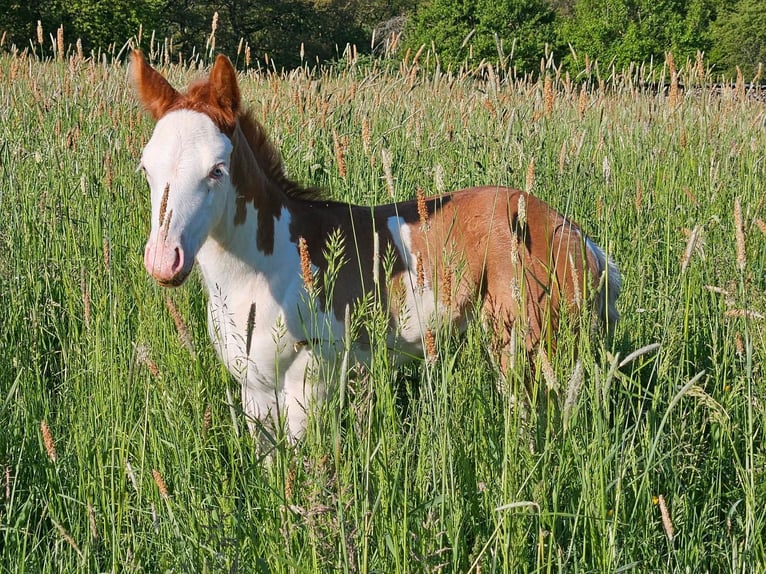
(270, 160)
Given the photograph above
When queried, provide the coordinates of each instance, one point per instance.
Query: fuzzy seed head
(530, 182)
(308, 277)
(160, 482)
(422, 208)
(430, 346)
(50, 445)
(420, 273)
(667, 524)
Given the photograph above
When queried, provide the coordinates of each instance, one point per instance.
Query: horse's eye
(217, 172)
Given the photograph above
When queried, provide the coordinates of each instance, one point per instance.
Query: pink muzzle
(166, 262)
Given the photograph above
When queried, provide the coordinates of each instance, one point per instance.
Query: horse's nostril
(178, 261)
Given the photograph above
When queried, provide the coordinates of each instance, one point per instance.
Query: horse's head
(187, 163)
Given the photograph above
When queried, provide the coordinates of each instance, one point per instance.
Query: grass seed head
(60, 42)
(547, 369)
(548, 95)
(420, 273)
(739, 234)
(308, 277)
(50, 445)
(160, 482)
(530, 181)
(430, 342)
(667, 524)
(385, 156)
(92, 521)
(422, 208)
(181, 329)
(339, 150)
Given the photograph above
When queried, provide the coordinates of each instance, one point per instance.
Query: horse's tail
(609, 284)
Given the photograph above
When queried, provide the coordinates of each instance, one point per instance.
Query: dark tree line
(514, 33)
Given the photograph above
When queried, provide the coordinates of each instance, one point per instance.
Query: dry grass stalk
(131, 475)
(673, 93)
(289, 483)
(107, 257)
(548, 95)
(740, 86)
(183, 332)
(521, 211)
(420, 273)
(606, 169)
(530, 180)
(582, 102)
(207, 420)
(340, 158)
(691, 246)
(547, 369)
(666, 522)
(700, 68)
(739, 234)
(446, 287)
(366, 138)
(160, 482)
(385, 156)
(639, 196)
(8, 483)
(573, 391)
(576, 283)
(761, 225)
(164, 203)
(439, 178)
(50, 444)
(142, 355)
(430, 342)
(739, 346)
(213, 28)
(60, 42)
(40, 38)
(650, 348)
(85, 290)
(67, 538)
(306, 274)
(422, 208)
(92, 522)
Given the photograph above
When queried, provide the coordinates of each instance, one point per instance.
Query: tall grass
(123, 448)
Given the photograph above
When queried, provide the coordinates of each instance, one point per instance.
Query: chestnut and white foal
(220, 196)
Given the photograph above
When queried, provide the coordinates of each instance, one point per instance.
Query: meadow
(122, 443)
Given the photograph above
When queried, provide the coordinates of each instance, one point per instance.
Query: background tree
(739, 39)
(468, 31)
(625, 31)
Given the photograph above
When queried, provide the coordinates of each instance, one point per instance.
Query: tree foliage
(739, 38)
(624, 31)
(515, 31)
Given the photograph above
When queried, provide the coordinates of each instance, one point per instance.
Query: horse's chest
(247, 331)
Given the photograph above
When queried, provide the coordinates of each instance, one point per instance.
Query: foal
(220, 196)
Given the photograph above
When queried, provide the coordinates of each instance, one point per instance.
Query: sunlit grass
(420, 468)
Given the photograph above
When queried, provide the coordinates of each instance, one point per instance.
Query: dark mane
(270, 160)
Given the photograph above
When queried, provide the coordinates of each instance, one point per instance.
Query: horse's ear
(223, 81)
(154, 91)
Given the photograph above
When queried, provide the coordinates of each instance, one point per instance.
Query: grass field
(122, 447)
